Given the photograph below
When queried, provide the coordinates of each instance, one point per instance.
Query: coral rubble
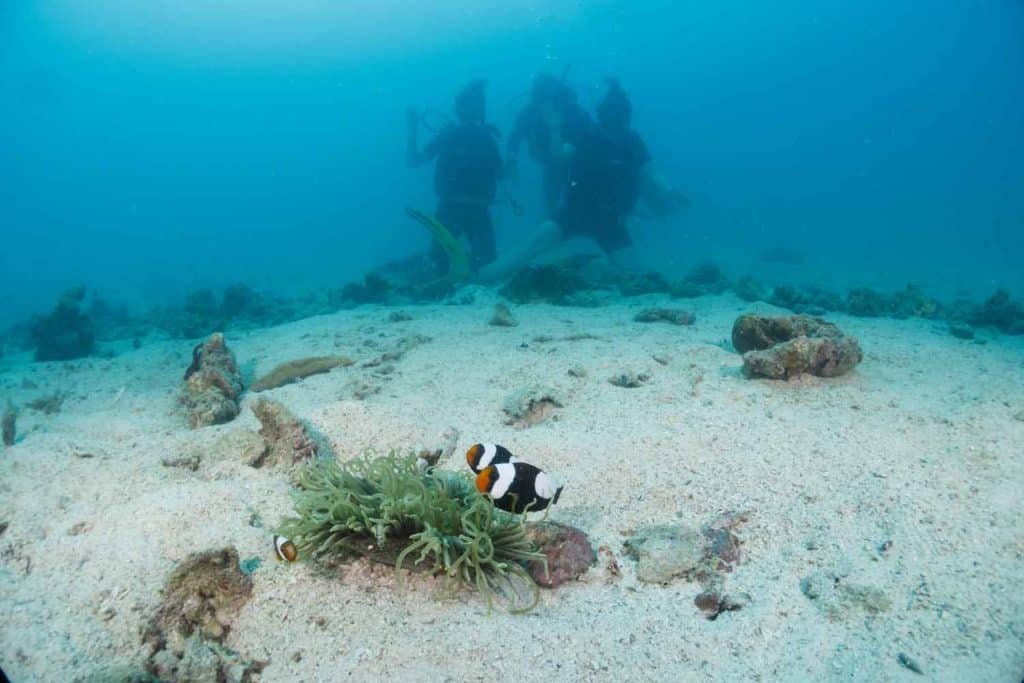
(213, 384)
(65, 333)
(294, 370)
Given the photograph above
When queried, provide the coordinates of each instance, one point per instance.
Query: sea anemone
(389, 510)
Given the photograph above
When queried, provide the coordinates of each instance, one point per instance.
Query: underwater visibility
(555, 340)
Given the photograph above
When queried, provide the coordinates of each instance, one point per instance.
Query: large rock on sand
(213, 384)
(785, 346)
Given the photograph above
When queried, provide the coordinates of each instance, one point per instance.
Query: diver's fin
(458, 261)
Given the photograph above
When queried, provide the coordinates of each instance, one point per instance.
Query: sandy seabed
(906, 476)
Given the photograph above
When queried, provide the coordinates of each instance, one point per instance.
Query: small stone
(630, 379)
(502, 316)
(567, 549)
(961, 330)
(398, 317)
(80, 528)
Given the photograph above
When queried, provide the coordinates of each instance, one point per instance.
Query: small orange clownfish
(518, 487)
(285, 549)
(481, 455)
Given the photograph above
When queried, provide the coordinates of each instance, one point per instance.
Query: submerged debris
(785, 346)
(212, 389)
(502, 316)
(294, 370)
(675, 316)
(531, 405)
(8, 424)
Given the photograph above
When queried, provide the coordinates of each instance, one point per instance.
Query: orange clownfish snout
(485, 480)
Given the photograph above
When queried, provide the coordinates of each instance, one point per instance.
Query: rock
(813, 300)
(294, 370)
(749, 289)
(961, 330)
(567, 549)
(202, 596)
(674, 316)
(8, 424)
(705, 279)
(753, 332)
(821, 357)
(1019, 416)
(66, 333)
(531, 405)
(213, 384)
(286, 439)
(577, 371)
(398, 317)
(713, 602)
(630, 379)
(999, 312)
(666, 552)
(839, 598)
(120, 674)
(907, 662)
(786, 346)
(188, 462)
(643, 283)
(201, 661)
(502, 316)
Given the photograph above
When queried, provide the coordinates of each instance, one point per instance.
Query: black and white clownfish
(518, 487)
(481, 455)
(285, 549)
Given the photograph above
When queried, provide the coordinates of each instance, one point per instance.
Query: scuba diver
(547, 93)
(607, 172)
(465, 176)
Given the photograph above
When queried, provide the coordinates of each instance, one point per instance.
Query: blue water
(147, 149)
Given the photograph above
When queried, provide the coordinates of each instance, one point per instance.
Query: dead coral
(294, 370)
(202, 596)
(531, 405)
(212, 389)
(286, 439)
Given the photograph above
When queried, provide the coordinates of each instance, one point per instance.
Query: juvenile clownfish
(518, 487)
(481, 455)
(285, 549)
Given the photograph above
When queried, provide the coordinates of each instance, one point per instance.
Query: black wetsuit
(603, 186)
(530, 126)
(466, 182)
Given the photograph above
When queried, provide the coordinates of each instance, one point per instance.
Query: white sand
(918, 445)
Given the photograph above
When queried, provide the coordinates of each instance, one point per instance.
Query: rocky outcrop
(786, 346)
